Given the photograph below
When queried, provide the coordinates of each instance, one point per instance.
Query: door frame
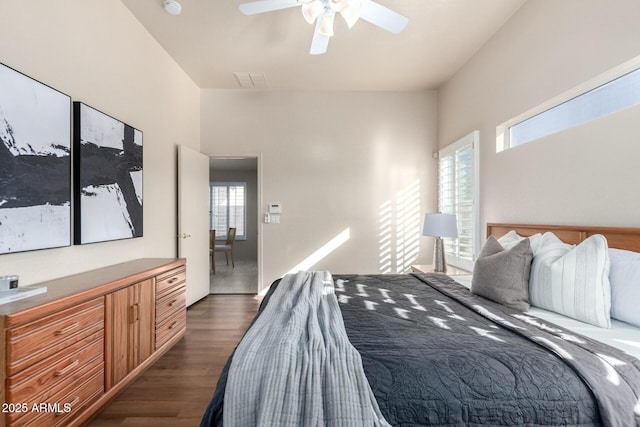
(259, 202)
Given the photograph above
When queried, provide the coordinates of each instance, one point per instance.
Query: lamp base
(439, 263)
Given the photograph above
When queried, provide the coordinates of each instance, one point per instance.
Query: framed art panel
(35, 164)
(108, 177)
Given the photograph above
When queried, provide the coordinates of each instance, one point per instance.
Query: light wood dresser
(66, 353)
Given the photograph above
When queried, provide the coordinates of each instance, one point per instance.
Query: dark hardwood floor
(177, 388)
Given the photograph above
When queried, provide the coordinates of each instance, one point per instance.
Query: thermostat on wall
(275, 208)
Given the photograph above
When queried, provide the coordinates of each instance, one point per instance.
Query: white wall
(336, 161)
(584, 176)
(98, 53)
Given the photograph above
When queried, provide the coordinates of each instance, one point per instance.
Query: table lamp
(440, 225)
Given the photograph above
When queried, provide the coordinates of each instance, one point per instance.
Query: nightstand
(451, 271)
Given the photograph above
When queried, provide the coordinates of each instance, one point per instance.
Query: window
(612, 92)
(228, 201)
(458, 193)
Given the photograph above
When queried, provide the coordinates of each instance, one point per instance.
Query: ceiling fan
(323, 13)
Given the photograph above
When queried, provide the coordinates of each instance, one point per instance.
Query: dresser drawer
(33, 342)
(170, 327)
(167, 282)
(55, 407)
(58, 370)
(174, 301)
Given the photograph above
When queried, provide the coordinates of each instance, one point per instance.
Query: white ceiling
(212, 39)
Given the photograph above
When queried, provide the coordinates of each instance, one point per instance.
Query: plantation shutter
(456, 195)
(237, 208)
(228, 208)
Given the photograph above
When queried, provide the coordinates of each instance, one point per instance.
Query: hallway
(243, 279)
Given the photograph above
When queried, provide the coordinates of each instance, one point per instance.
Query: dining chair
(227, 248)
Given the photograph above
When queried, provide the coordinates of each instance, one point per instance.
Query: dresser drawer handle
(173, 302)
(69, 328)
(67, 369)
(173, 325)
(69, 405)
(173, 280)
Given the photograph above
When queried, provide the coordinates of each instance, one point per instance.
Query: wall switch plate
(275, 219)
(275, 208)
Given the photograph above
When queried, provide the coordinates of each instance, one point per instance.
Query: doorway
(233, 202)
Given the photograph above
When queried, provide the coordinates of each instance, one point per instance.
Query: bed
(435, 354)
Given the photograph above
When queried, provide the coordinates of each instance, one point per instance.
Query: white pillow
(573, 281)
(625, 285)
(512, 238)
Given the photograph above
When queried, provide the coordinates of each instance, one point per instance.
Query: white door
(193, 220)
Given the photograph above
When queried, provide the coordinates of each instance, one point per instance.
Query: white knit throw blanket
(296, 367)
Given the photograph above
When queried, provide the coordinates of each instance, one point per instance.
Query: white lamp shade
(440, 225)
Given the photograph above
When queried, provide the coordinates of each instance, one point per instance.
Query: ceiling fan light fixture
(337, 5)
(326, 24)
(311, 11)
(322, 14)
(350, 15)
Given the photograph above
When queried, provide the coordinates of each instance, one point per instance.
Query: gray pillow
(503, 275)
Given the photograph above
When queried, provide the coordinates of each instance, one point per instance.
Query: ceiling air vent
(248, 80)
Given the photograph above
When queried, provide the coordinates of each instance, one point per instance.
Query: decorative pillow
(572, 280)
(503, 275)
(512, 238)
(625, 285)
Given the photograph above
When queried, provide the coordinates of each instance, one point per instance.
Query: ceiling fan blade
(382, 17)
(320, 43)
(262, 6)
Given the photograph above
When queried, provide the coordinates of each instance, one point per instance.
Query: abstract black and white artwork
(35, 164)
(108, 177)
